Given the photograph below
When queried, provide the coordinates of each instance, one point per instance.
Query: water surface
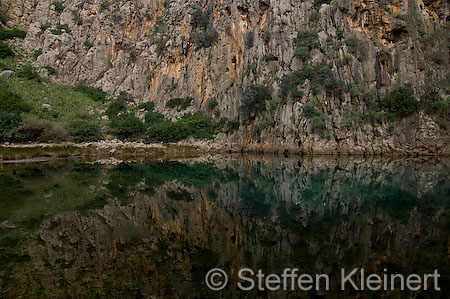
(89, 229)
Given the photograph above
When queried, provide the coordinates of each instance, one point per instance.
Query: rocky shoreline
(9, 151)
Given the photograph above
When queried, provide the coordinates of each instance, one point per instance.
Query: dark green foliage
(28, 72)
(304, 43)
(270, 57)
(320, 2)
(127, 126)
(401, 102)
(5, 50)
(77, 18)
(11, 102)
(44, 27)
(340, 33)
(153, 117)
(200, 18)
(253, 101)
(85, 130)
(205, 38)
(179, 103)
(319, 76)
(434, 104)
(12, 33)
(59, 6)
(266, 37)
(197, 125)
(231, 126)
(34, 129)
(11, 106)
(3, 19)
(356, 46)
(8, 121)
(205, 35)
(37, 53)
(94, 93)
(60, 29)
(103, 6)
(249, 39)
(147, 106)
(317, 117)
(302, 52)
(50, 70)
(211, 104)
(179, 194)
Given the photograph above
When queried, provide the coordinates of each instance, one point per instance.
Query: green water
(91, 229)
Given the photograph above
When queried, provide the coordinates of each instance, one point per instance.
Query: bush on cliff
(400, 102)
(253, 101)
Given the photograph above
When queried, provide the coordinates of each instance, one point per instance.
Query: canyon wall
(157, 50)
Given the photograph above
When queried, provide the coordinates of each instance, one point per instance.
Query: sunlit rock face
(157, 50)
(156, 228)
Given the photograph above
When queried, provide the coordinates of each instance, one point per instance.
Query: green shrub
(27, 72)
(50, 70)
(84, 130)
(310, 110)
(12, 33)
(59, 6)
(302, 52)
(127, 126)
(103, 6)
(60, 29)
(77, 18)
(153, 117)
(94, 93)
(319, 76)
(8, 122)
(211, 104)
(205, 38)
(304, 43)
(249, 39)
(3, 19)
(270, 57)
(37, 53)
(147, 106)
(231, 126)
(197, 125)
(115, 107)
(5, 50)
(200, 18)
(318, 118)
(355, 45)
(179, 103)
(340, 33)
(400, 102)
(200, 126)
(320, 2)
(253, 101)
(266, 37)
(44, 27)
(34, 129)
(11, 102)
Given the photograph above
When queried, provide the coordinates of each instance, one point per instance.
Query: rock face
(157, 50)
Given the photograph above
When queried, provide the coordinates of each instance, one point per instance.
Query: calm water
(140, 229)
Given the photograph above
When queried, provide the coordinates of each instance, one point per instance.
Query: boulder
(7, 74)
(47, 107)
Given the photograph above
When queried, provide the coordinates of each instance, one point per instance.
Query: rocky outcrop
(151, 49)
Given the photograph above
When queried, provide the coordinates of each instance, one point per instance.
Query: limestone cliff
(158, 50)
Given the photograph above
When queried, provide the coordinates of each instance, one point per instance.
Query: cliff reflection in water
(156, 228)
